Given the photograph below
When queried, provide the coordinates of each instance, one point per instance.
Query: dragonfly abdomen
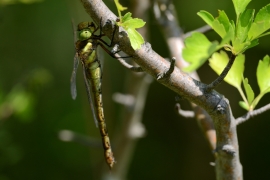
(95, 79)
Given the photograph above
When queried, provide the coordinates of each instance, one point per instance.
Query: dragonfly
(86, 52)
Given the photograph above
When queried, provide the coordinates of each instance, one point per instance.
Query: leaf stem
(242, 95)
(120, 16)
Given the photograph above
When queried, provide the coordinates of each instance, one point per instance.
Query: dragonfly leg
(121, 60)
(168, 72)
(112, 54)
(130, 67)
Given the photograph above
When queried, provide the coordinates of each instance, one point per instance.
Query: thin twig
(183, 113)
(253, 113)
(128, 66)
(168, 72)
(221, 77)
(202, 29)
(127, 100)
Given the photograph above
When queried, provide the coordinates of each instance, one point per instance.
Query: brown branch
(227, 154)
(183, 113)
(252, 114)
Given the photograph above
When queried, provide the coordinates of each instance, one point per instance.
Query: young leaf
(244, 105)
(130, 25)
(221, 24)
(263, 74)
(136, 38)
(261, 23)
(253, 43)
(218, 62)
(224, 20)
(240, 6)
(258, 98)
(126, 17)
(249, 91)
(227, 38)
(219, 28)
(197, 50)
(243, 25)
(206, 16)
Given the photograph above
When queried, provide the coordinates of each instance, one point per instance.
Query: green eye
(84, 34)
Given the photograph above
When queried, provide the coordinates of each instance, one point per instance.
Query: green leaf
(258, 98)
(264, 34)
(244, 105)
(244, 24)
(240, 42)
(224, 20)
(221, 24)
(130, 25)
(206, 16)
(261, 23)
(126, 17)
(249, 91)
(219, 28)
(227, 38)
(197, 50)
(136, 38)
(240, 6)
(263, 74)
(133, 23)
(218, 62)
(239, 47)
(253, 43)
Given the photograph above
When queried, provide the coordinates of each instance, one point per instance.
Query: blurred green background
(36, 48)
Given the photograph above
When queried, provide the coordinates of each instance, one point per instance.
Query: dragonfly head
(85, 30)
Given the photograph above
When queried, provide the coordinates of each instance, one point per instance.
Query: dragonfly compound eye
(84, 34)
(82, 25)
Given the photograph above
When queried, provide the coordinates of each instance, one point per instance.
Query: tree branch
(183, 113)
(252, 114)
(227, 163)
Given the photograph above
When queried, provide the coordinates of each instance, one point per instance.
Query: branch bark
(166, 17)
(227, 152)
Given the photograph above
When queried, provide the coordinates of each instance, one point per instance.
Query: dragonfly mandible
(86, 53)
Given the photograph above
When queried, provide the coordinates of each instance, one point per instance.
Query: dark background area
(36, 52)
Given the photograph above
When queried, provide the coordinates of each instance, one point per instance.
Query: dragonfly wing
(89, 94)
(73, 77)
